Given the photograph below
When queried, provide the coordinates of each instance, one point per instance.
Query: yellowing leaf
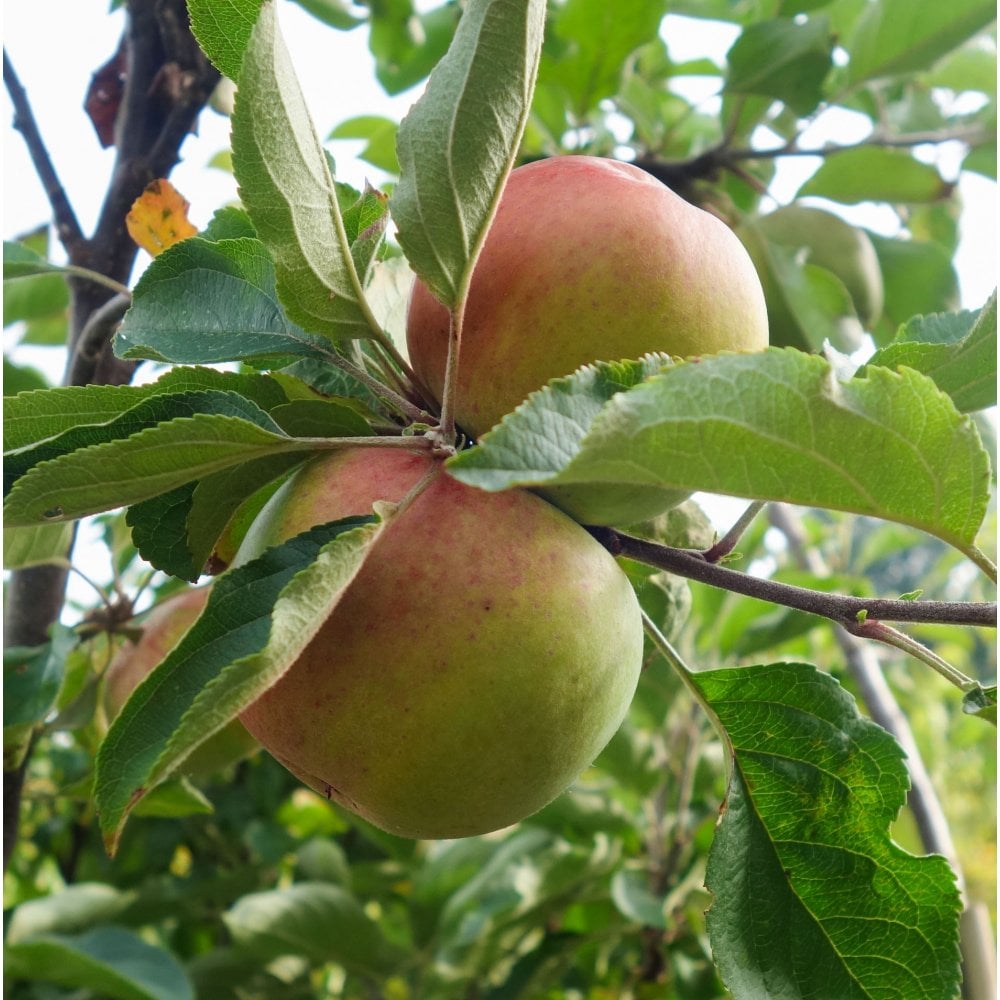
(158, 218)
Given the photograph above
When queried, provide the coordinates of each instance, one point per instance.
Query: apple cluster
(489, 647)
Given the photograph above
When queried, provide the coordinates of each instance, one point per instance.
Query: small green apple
(486, 651)
(162, 629)
(588, 259)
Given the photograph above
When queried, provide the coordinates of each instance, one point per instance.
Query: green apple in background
(588, 259)
(484, 654)
(162, 628)
(821, 277)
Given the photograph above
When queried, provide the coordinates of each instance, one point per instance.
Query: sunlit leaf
(812, 897)
(458, 142)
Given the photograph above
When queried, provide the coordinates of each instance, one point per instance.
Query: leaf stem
(102, 279)
(393, 399)
(879, 631)
(686, 676)
(837, 607)
(982, 560)
(727, 543)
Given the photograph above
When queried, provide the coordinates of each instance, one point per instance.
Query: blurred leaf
(286, 187)
(21, 378)
(588, 43)
(108, 960)
(812, 897)
(75, 908)
(407, 45)
(177, 797)
(894, 37)
(223, 29)
(33, 287)
(982, 160)
(454, 159)
(632, 895)
(875, 173)
(919, 279)
(317, 919)
(889, 445)
(957, 350)
(380, 133)
(46, 543)
(982, 701)
(971, 67)
(32, 677)
(158, 218)
(334, 13)
(258, 619)
(784, 59)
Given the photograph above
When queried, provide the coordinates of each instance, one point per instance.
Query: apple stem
(451, 372)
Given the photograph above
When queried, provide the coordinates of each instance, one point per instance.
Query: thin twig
(729, 540)
(67, 226)
(839, 608)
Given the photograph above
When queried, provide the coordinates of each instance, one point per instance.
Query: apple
(162, 628)
(486, 651)
(588, 259)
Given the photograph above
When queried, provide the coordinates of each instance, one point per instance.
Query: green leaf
(784, 59)
(407, 45)
(21, 378)
(334, 13)
(75, 908)
(981, 701)
(229, 223)
(32, 678)
(812, 897)
(176, 797)
(151, 462)
(458, 142)
(919, 279)
(110, 961)
(153, 410)
(957, 350)
(31, 418)
(287, 189)
(777, 425)
(875, 174)
(223, 29)
(364, 223)
(202, 303)
(46, 543)
(20, 261)
(380, 133)
(589, 42)
(894, 37)
(324, 922)
(257, 620)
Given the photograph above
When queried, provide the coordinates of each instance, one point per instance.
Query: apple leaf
(458, 142)
(812, 897)
(777, 425)
(981, 701)
(105, 961)
(257, 620)
(20, 261)
(154, 461)
(202, 303)
(286, 187)
(223, 28)
(783, 58)
(321, 921)
(45, 543)
(894, 37)
(146, 414)
(957, 350)
(874, 173)
(32, 417)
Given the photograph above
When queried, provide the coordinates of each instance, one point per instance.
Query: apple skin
(588, 259)
(484, 654)
(162, 629)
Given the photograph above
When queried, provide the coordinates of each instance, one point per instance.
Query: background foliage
(245, 884)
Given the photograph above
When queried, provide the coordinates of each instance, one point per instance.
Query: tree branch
(839, 608)
(67, 226)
